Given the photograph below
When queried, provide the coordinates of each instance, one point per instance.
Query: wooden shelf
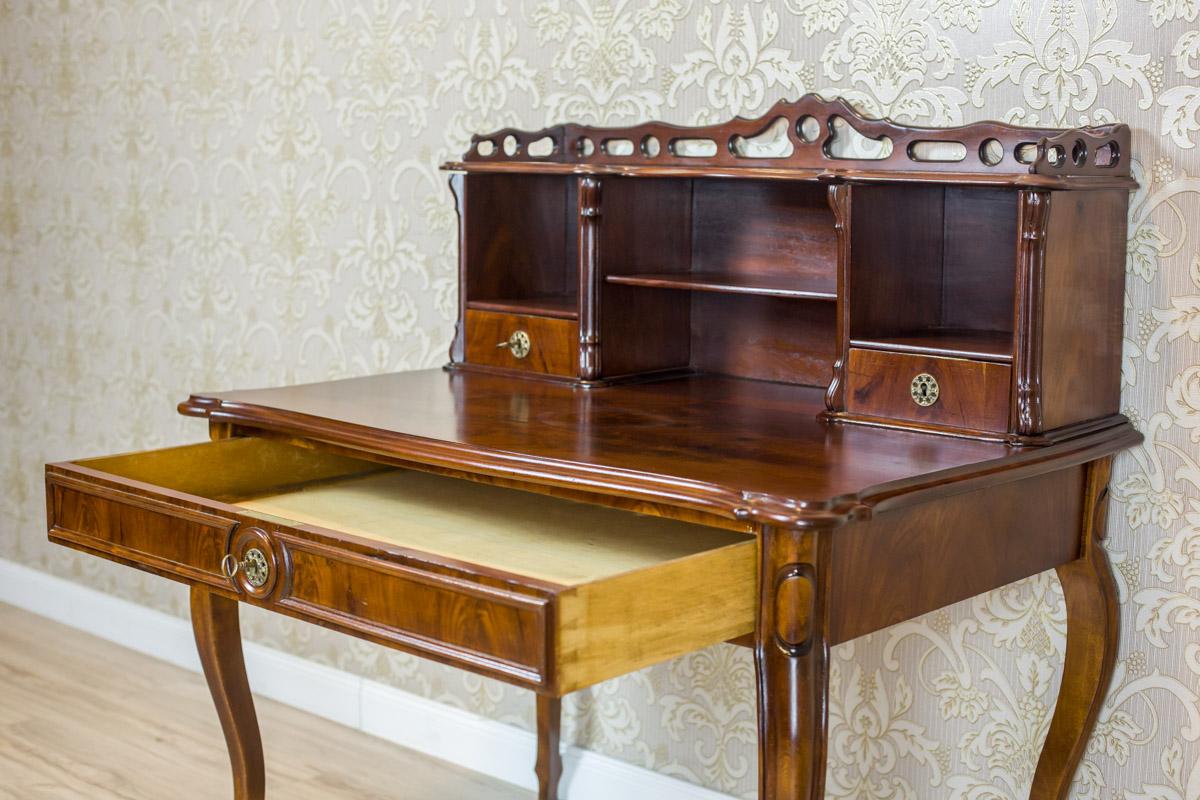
(979, 345)
(802, 287)
(559, 306)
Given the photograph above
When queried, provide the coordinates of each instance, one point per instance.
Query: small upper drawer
(535, 590)
(951, 392)
(522, 342)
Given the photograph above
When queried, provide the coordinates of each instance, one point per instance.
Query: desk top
(737, 448)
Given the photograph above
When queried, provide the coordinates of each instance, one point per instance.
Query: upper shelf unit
(817, 139)
(967, 281)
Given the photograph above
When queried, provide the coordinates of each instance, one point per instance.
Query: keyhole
(924, 389)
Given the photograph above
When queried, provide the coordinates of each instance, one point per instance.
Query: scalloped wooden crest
(815, 138)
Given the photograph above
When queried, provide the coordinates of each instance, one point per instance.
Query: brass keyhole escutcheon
(518, 344)
(925, 389)
(255, 565)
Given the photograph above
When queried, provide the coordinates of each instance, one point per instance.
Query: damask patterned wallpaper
(200, 195)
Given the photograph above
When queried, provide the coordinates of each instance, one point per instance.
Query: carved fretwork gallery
(781, 382)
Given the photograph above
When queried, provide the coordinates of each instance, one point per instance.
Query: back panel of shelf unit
(727, 227)
(521, 238)
(929, 258)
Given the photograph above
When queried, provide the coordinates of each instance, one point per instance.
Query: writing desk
(576, 496)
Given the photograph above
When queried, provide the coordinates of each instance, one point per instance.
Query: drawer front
(971, 395)
(160, 535)
(461, 622)
(461, 616)
(553, 344)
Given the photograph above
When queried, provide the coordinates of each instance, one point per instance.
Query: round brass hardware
(518, 344)
(255, 565)
(229, 566)
(925, 389)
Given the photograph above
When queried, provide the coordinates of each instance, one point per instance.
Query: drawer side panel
(641, 618)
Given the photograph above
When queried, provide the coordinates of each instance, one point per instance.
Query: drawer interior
(560, 541)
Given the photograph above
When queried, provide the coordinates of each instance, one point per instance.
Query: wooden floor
(83, 718)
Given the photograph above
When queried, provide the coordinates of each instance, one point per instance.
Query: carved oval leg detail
(792, 660)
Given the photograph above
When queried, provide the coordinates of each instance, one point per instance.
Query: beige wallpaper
(200, 195)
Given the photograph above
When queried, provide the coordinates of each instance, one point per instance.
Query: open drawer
(534, 590)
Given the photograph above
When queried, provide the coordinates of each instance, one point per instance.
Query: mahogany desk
(858, 528)
(761, 382)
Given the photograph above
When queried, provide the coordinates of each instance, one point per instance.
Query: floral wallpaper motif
(199, 195)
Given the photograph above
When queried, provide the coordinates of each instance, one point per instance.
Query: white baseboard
(435, 729)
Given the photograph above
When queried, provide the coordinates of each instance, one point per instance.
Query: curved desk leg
(1092, 638)
(218, 638)
(549, 759)
(792, 660)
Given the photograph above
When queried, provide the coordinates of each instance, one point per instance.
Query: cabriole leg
(1092, 637)
(792, 660)
(549, 759)
(218, 638)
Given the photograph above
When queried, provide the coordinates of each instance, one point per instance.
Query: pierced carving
(822, 135)
(847, 143)
(771, 142)
(1086, 151)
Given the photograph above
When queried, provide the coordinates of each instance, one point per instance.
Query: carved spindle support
(589, 278)
(219, 642)
(549, 758)
(839, 202)
(1034, 216)
(792, 657)
(458, 345)
(1093, 633)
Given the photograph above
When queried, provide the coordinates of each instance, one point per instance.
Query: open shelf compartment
(736, 277)
(933, 271)
(521, 250)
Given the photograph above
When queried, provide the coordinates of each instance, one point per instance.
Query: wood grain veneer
(553, 348)
(973, 395)
(737, 448)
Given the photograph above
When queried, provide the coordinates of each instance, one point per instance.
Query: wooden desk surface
(733, 447)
